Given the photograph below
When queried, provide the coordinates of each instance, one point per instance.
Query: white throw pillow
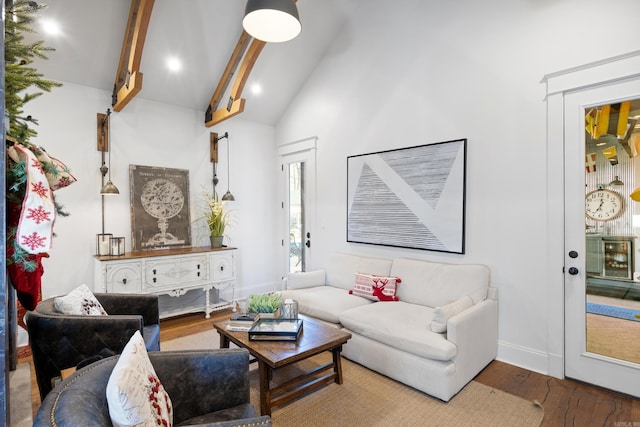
(305, 279)
(79, 301)
(442, 314)
(135, 395)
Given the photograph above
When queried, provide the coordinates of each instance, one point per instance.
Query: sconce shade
(616, 182)
(228, 197)
(272, 20)
(109, 189)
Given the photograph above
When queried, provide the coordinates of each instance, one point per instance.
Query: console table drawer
(161, 275)
(124, 278)
(222, 268)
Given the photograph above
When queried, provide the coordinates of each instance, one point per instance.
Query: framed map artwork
(411, 197)
(160, 217)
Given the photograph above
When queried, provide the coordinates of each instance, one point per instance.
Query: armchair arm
(60, 342)
(144, 305)
(200, 382)
(475, 333)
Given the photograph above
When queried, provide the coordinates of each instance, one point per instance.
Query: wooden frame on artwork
(160, 213)
(410, 197)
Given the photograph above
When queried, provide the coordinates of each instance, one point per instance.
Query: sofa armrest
(475, 334)
(144, 305)
(304, 279)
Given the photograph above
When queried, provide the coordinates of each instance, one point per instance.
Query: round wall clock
(603, 205)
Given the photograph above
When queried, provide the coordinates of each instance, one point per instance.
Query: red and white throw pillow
(135, 395)
(376, 288)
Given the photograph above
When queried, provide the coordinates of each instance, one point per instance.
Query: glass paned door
(601, 236)
(296, 208)
(298, 163)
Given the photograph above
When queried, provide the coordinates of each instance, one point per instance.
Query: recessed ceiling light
(256, 89)
(50, 27)
(174, 64)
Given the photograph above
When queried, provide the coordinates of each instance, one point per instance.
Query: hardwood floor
(565, 402)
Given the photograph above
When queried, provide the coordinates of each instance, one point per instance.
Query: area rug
(367, 398)
(611, 311)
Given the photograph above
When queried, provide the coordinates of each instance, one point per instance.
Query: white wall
(412, 72)
(153, 134)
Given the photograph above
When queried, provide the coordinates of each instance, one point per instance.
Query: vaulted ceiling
(202, 34)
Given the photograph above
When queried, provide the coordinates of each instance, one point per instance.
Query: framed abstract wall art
(160, 216)
(410, 197)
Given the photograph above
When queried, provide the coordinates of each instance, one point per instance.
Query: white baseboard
(527, 358)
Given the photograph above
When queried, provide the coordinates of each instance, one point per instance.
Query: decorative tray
(276, 330)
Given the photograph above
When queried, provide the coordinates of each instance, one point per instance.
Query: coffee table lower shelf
(315, 338)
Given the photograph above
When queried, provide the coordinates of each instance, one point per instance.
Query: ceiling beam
(235, 104)
(128, 80)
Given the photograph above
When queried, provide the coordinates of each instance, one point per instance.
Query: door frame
(296, 150)
(558, 84)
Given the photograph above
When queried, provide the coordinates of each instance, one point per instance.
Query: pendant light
(109, 188)
(272, 20)
(228, 196)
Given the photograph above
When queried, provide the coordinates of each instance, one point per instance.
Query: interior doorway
(297, 164)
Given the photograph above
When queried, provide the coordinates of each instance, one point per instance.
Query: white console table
(171, 272)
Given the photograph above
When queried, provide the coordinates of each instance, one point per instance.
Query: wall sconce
(272, 20)
(104, 122)
(228, 197)
(117, 246)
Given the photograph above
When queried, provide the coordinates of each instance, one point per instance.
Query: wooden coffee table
(316, 337)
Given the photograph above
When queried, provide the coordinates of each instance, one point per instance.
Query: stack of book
(242, 322)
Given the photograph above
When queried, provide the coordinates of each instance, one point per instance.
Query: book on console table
(276, 330)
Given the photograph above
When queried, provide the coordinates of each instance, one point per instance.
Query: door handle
(573, 271)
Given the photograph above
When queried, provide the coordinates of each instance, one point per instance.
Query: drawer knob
(222, 268)
(154, 280)
(154, 271)
(198, 274)
(124, 280)
(198, 266)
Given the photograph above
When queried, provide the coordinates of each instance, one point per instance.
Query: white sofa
(399, 338)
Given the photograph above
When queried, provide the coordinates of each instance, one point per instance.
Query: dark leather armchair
(206, 388)
(59, 341)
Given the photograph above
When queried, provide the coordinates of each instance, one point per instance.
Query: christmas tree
(27, 161)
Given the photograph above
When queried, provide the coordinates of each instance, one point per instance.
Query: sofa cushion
(135, 395)
(342, 268)
(442, 314)
(305, 279)
(324, 302)
(237, 413)
(400, 325)
(437, 284)
(375, 288)
(79, 301)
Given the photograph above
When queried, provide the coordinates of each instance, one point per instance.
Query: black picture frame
(410, 197)
(160, 213)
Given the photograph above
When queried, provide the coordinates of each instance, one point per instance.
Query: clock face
(603, 205)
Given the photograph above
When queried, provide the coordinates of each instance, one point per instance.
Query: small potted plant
(216, 217)
(267, 305)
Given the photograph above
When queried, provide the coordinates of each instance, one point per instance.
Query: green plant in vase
(216, 218)
(265, 304)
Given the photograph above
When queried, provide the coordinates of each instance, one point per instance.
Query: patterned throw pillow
(376, 288)
(79, 301)
(135, 395)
